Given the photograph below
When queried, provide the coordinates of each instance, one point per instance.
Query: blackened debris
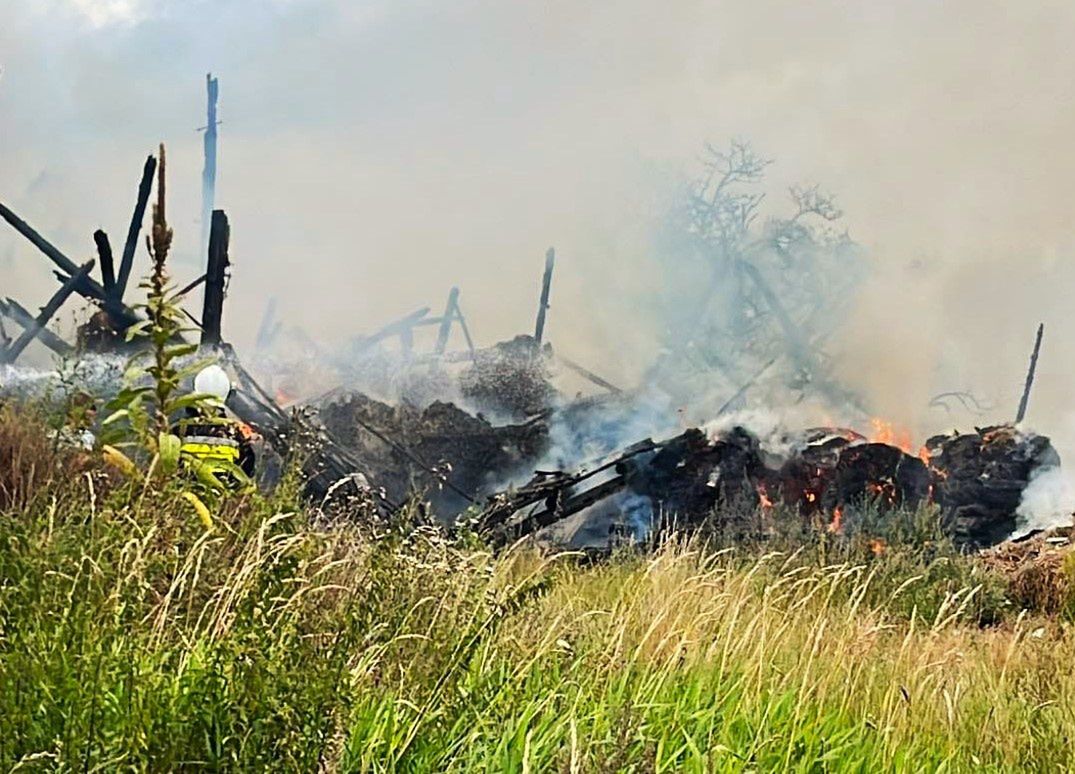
(979, 479)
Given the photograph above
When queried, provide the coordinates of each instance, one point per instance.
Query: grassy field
(131, 637)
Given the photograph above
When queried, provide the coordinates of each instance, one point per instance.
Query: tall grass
(130, 638)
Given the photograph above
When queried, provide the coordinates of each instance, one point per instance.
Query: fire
(837, 519)
(923, 454)
(887, 432)
(885, 490)
(763, 497)
(877, 546)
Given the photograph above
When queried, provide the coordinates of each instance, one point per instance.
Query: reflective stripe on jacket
(207, 447)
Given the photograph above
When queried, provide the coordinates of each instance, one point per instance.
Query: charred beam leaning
(127, 259)
(400, 327)
(191, 286)
(543, 305)
(1021, 413)
(31, 331)
(15, 311)
(87, 284)
(447, 320)
(215, 278)
(588, 374)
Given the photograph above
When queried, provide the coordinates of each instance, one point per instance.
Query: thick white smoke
(373, 155)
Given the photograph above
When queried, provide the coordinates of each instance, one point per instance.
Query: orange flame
(763, 497)
(887, 432)
(837, 519)
(877, 546)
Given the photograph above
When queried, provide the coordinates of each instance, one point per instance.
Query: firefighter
(213, 439)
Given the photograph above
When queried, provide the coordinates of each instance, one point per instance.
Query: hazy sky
(375, 153)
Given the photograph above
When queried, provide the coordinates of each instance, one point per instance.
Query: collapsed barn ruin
(482, 435)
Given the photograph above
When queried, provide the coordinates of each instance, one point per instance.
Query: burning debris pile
(722, 477)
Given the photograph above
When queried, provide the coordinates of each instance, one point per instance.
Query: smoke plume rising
(373, 155)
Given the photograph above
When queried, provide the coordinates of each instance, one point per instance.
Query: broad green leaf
(168, 446)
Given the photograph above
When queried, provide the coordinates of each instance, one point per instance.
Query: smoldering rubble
(488, 438)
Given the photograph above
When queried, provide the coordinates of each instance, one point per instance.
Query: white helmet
(212, 380)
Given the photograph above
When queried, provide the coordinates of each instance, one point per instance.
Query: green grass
(131, 639)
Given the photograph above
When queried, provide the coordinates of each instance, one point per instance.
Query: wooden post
(209, 169)
(546, 284)
(215, 272)
(1021, 413)
(127, 259)
(108, 269)
(446, 321)
(15, 311)
(30, 332)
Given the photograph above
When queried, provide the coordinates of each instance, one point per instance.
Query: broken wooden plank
(446, 321)
(31, 331)
(395, 328)
(590, 375)
(1021, 413)
(546, 285)
(215, 278)
(108, 269)
(16, 312)
(127, 259)
(559, 511)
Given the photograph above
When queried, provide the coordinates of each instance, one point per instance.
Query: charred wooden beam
(127, 259)
(556, 486)
(466, 331)
(1021, 413)
(395, 328)
(215, 278)
(108, 269)
(543, 305)
(559, 511)
(590, 375)
(15, 311)
(191, 286)
(446, 321)
(31, 331)
(87, 285)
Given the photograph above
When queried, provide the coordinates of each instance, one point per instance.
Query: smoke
(373, 155)
(1047, 501)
